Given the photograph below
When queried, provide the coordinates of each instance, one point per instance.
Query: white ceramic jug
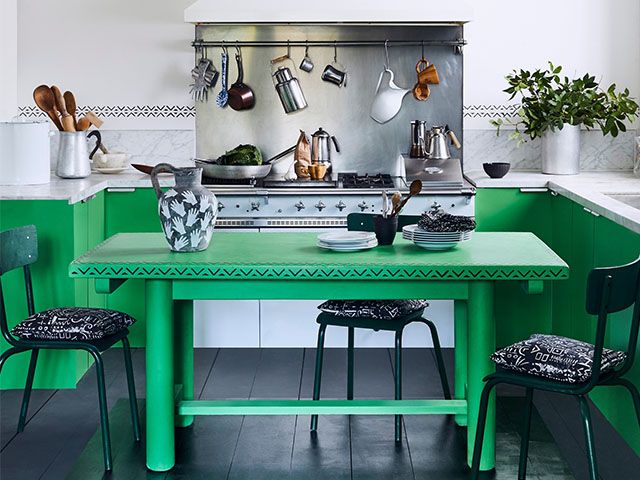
(388, 99)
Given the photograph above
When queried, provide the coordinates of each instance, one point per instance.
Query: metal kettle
(437, 143)
(320, 146)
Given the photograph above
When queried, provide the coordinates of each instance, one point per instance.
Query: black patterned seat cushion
(558, 358)
(72, 323)
(377, 309)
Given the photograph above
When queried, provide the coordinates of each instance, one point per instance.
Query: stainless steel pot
(289, 90)
(232, 172)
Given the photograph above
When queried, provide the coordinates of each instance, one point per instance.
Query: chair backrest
(610, 290)
(18, 248)
(363, 222)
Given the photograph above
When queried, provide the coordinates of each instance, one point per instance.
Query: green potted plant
(554, 107)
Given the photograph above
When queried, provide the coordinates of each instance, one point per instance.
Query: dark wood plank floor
(62, 439)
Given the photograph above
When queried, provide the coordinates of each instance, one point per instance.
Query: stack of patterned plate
(347, 241)
(434, 240)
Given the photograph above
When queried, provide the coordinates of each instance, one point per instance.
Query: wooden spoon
(83, 124)
(45, 100)
(70, 102)
(414, 189)
(67, 120)
(395, 201)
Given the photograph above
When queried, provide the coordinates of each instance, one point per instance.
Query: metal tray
(233, 172)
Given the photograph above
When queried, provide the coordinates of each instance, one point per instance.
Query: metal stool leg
(350, 346)
(398, 382)
(444, 381)
(131, 385)
(7, 353)
(588, 436)
(482, 420)
(27, 389)
(524, 444)
(104, 413)
(633, 391)
(317, 380)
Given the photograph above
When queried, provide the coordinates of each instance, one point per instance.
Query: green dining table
(289, 265)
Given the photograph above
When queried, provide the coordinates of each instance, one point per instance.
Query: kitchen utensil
(70, 102)
(496, 169)
(388, 98)
(414, 189)
(320, 146)
(418, 139)
(385, 204)
(223, 95)
(142, 168)
(94, 119)
(67, 121)
(83, 124)
(421, 91)
(46, 101)
(317, 171)
(395, 201)
(24, 152)
(286, 83)
(437, 142)
(73, 154)
(232, 172)
(241, 97)
(187, 211)
(427, 73)
(335, 72)
(284, 153)
(306, 65)
(204, 76)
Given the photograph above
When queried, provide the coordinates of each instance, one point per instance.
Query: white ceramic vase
(561, 151)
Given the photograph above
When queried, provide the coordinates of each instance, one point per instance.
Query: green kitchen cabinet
(131, 211)
(616, 245)
(518, 314)
(64, 232)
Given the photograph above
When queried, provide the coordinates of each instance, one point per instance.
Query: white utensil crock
(388, 100)
(561, 151)
(25, 157)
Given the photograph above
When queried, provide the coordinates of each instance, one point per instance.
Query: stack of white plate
(434, 240)
(347, 241)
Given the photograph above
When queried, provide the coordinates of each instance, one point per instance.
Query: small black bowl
(497, 169)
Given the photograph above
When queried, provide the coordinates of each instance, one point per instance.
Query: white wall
(121, 53)
(8, 59)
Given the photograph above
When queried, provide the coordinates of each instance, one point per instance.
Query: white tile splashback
(598, 153)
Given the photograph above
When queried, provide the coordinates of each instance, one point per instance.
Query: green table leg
(183, 314)
(160, 396)
(482, 340)
(460, 316)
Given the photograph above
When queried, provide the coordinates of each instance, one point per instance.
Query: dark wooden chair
(609, 290)
(93, 330)
(365, 222)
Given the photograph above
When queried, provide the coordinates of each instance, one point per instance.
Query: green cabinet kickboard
(64, 231)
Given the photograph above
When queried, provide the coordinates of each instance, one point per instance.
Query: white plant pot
(561, 151)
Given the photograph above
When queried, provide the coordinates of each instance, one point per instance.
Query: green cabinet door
(131, 211)
(518, 314)
(64, 232)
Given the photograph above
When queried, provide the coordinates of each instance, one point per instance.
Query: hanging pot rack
(456, 44)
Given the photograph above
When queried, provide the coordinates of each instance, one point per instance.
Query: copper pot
(241, 97)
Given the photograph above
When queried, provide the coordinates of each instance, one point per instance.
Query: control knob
(255, 206)
(300, 205)
(341, 205)
(320, 206)
(362, 206)
(220, 206)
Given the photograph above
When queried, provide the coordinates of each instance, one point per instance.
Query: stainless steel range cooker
(326, 204)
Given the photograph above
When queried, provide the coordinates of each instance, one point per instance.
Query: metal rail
(329, 43)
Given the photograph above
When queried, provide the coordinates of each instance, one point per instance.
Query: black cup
(385, 229)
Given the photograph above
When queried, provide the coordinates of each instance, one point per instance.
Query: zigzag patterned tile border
(185, 272)
(185, 111)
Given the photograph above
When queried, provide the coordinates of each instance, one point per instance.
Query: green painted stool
(365, 222)
(609, 290)
(91, 329)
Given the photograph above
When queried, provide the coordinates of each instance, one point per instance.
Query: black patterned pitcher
(187, 211)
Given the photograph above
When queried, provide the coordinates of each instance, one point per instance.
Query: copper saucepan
(241, 97)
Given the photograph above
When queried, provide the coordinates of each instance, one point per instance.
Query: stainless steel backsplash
(366, 146)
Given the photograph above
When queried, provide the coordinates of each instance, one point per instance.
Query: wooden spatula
(67, 120)
(45, 100)
(70, 102)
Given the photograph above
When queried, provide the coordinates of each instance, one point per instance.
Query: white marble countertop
(592, 190)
